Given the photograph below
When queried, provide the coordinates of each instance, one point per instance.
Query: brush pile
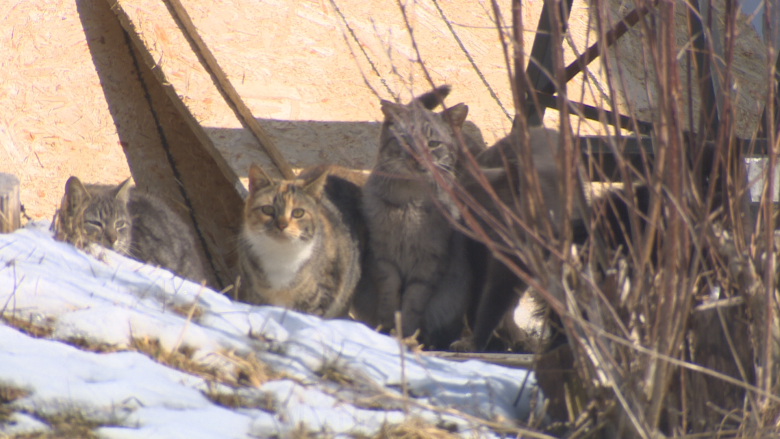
(669, 306)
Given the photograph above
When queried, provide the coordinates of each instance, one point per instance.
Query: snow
(111, 300)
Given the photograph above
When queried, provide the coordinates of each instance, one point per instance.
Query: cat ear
(123, 191)
(75, 194)
(258, 179)
(391, 110)
(315, 186)
(456, 114)
(434, 98)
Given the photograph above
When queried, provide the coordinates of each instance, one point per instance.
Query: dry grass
(231, 369)
(68, 424)
(42, 329)
(248, 370)
(187, 309)
(415, 428)
(335, 372)
(180, 359)
(85, 344)
(237, 399)
(9, 394)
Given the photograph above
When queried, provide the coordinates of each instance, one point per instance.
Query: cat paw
(465, 344)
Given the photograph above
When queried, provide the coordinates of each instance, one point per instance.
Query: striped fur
(130, 222)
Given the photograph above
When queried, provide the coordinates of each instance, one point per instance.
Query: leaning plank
(165, 150)
(227, 87)
(165, 50)
(9, 203)
(520, 361)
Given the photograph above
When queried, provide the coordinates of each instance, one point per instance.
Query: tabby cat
(417, 262)
(301, 242)
(130, 222)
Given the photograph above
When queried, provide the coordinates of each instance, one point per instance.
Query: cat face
(415, 139)
(98, 215)
(284, 210)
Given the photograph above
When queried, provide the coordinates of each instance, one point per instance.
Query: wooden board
(166, 152)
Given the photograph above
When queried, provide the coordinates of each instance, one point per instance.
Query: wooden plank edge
(197, 129)
(234, 100)
(517, 361)
(10, 207)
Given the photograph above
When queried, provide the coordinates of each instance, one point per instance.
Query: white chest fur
(281, 261)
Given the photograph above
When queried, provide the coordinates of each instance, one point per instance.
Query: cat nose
(111, 236)
(281, 224)
(438, 153)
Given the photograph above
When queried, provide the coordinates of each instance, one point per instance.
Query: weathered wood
(167, 151)
(10, 209)
(227, 88)
(520, 361)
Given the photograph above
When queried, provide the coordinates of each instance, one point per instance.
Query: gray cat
(417, 262)
(502, 167)
(130, 222)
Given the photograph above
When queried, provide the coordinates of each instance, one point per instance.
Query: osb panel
(161, 147)
(292, 65)
(54, 120)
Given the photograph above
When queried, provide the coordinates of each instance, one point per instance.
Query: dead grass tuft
(68, 424)
(415, 428)
(85, 344)
(301, 432)
(333, 372)
(180, 359)
(28, 326)
(184, 310)
(237, 399)
(248, 370)
(9, 394)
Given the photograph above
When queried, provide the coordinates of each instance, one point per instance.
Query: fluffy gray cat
(130, 222)
(417, 262)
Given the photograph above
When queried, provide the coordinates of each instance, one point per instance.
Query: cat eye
(96, 224)
(119, 225)
(297, 212)
(267, 209)
(433, 143)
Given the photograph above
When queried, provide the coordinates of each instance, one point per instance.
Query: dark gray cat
(503, 169)
(417, 262)
(130, 222)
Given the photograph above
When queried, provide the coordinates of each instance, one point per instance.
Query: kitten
(417, 262)
(130, 222)
(300, 246)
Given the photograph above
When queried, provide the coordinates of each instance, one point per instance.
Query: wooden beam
(519, 361)
(224, 84)
(10, 209)
(541, 60)
(594, 50)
